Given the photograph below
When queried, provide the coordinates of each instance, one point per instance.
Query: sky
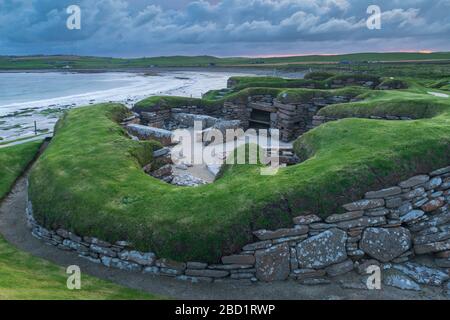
(138, 28)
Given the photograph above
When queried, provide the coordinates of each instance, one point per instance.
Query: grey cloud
(138, 27)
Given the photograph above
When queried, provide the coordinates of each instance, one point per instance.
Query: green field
(25, 277)
(90, 63)
(91, 182)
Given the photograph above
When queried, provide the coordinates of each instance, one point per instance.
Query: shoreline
(261, 70)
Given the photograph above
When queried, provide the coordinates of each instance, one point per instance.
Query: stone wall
(161, 117)
(291, 119)
(386, 226)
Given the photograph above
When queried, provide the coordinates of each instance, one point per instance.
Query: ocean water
(26, 98)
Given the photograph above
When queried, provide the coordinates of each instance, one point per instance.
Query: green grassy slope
(77, 62)
(89, 182)
(25, 277)
(13, 161)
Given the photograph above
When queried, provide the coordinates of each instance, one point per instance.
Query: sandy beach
(26, 98)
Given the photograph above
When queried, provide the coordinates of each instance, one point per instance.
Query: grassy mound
(88, 181)
(13, 162)
(23, 276)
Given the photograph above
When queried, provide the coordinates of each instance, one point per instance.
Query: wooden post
(35, 128)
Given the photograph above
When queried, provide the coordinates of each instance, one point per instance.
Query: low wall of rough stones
(389, 225)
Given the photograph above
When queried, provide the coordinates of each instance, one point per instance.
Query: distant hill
(103, 63)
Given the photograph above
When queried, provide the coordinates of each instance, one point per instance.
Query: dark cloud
(221, 27)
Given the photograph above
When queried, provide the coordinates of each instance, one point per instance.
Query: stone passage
(388, 226)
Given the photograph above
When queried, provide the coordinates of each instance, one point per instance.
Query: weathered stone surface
(422, 274)
(103, 251)
(321, 226)
(411, 216)
(430, 238)
(433, 205)
(345, 216)
(405, 208)
(161, 152)
(120, 264)
(440, 171)
(207, 273)
(383, 193)
(385, 244)
(435, 221)
(315, 281)
(273, 264)
(442, 263)
(162, 172)
(188, 120)
(169, 264)
(302, 274)
(240, 276)
(377, 212)
(187, 180)
(401, 282)
(393, 203)
(433, 183)
(432, 247)
(340, 268)
(96, 241)
(145, 259)
(323, 250)
(239, 259)
(195, 279)
(196, 265)
(281, 233)
(364, 204)
(150, 133)
(230, 267)
(414, 181)
(257, 245)
(415, 193)
(305, 220)
(362, 222)
(290, 239)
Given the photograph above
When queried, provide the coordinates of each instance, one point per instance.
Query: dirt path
(13, 228)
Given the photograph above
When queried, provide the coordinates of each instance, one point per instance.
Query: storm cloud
(221, 27)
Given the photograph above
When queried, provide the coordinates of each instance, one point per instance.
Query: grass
(99, 63)
(89, 182)
(25, 277)
(13, 161)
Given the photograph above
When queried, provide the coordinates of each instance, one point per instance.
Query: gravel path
(13, 228)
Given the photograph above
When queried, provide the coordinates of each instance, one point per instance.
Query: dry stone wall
(387, 226)
(292, 119)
